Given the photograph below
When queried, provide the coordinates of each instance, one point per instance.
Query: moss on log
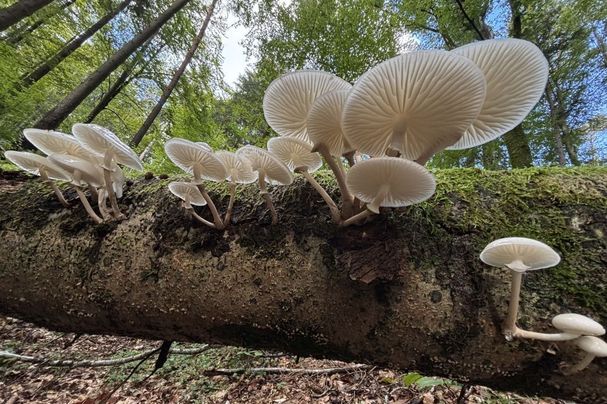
(406, 290)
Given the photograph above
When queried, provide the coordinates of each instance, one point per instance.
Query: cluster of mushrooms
(377, 135)
(87, 160)
(519, 255)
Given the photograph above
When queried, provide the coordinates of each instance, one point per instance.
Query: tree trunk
(518, 148)
(70, 47)
(14, 13)
(19, 35)
(406, 290)
(166, 93)
(58, 114)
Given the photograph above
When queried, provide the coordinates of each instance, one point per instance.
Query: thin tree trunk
(19, 35)
(70, 47)
(518, 148)
(55, 116)
(14, 13)
(175, 79)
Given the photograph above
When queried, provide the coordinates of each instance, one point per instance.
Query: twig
(470, 21)
(301, 371)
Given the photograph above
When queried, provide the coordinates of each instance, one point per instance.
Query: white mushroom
(190, 195)
(239, 171)
(594, 347)
(415, 105)
(52, 142)
(572, 326)
(390, 182)
(519, 255)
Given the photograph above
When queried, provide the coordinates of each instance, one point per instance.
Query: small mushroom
(413, 105)
(190, 195)
(594, 347)
(52, 142)
(42, 166)
(239, 172)
(270, 169)
(202, 164)
(572, 326)
(390, 182)
(298, 156)
(102, 141)
(518, 254)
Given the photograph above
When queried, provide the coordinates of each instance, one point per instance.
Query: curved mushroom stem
(350, 158)
(101, 204)
(216, 218)
(509, 328)
(263, 191)
(107, 161)
(561, 336)
(87, 206)
(228, 216)
(189, 208)
(581, 364)
(346, 197)
(335, 215)
(56, 190)
(357, 218)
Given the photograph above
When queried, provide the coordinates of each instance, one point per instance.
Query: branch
(470, 21)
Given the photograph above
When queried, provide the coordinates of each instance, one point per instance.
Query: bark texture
(405, 290)
(17, 11)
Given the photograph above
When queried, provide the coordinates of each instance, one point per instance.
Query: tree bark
(20, 34)
(518, 148)
(406, 290)
(70, 47)
(54, 117)
(166, 93)
(14, 13)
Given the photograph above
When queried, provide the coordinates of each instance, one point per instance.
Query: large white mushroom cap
(403, 182)
(592, 345)
(577, 324)
(195, 160)
(238, 168)
(266, 164)
(288, 99)
(100, 140)
(205, 145)
(51, 142)
(516, 72)
(324, 122)
(187, 192)
(519, 254)
(295, 153)
(35, 164)
(417, 103)
(90, 173)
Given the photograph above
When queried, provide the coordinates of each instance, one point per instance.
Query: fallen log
(406, 290)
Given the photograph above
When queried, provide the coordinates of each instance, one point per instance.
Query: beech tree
(14, 13)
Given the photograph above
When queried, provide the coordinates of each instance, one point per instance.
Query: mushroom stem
(562, 336)
(346, 197)
(107, 161)
(195, 215)
(87, 206)
(266, 196)
(335, 215)
(93, 192)
(357, 218)
(101, 204)
(381, 195)
(216, 218)
(509, 328)
(56, 190)
(581, 364)
(228, 216)
(350, 158)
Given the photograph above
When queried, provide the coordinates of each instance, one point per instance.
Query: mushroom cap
(189, 156)
(288, 99)
(205, 145)
(324, 122)
(187, 191)
(33, 163)
(52, 142)
(592, 345)
(238, 168)
(405, 181)
(414, 103)
(264, 162)
(519, 254)
(90, 172)
(577, 324)
(516, 72)
(98, 139)
(295, 153)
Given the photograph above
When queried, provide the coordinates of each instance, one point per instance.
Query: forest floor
(195, 378)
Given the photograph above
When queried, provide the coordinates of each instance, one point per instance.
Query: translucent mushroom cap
(516, 72)
(100, 140)
(403, 182)
(266, 164)
(195, 160)
(592, 345)
(238, 168)
(35, 164)
(51, 142)
(519, 254)
(288, 99)
(577, 324)
(417, 103)
(187, 192)
(205, 145)
(90, 172)
(324, 122)
(295, 153)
